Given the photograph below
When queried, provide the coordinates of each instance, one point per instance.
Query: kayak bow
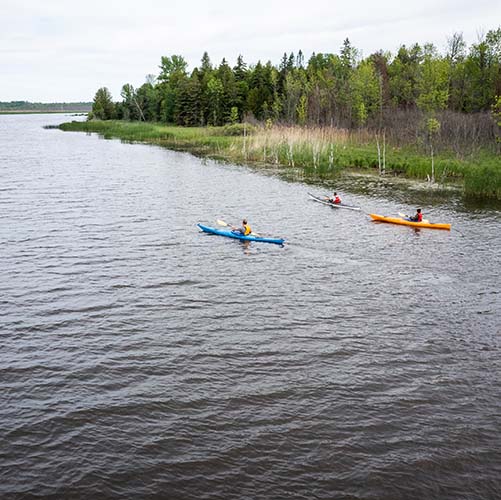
(404, 222)
(333, 205)
(238, 236)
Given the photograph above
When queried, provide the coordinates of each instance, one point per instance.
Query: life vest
(420, 217)
(337, 199)
(248, 230)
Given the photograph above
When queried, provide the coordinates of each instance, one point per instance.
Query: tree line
(341, 90)
(26, 106)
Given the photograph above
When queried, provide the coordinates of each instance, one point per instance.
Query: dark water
(142, 359)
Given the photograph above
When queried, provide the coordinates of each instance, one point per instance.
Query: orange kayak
(404, 222)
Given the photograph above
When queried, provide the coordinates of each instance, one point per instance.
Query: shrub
(238, 129)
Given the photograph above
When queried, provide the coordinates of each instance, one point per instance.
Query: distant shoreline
(27, 107)
(42, 112)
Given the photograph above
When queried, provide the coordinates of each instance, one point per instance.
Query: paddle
(222, 223)
(405, 216)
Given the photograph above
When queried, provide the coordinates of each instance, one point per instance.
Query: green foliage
(233, 115)
(362, 114)
(214, 92)
(484, 180)
(172, 68)
(391, 92)
(342, 89)
(481, 178)
(404, 75)
(365, 91)
(238, 129)
(496, 115)
(302, 108)
(496, 111)
(102, 106)
(432, 127)
(433, 81)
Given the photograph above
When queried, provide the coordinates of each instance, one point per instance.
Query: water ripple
(142, 359)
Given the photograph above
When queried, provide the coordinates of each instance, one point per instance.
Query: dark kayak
(325, 201)
(239, 236)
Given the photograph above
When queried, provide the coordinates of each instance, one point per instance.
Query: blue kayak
(239, 236)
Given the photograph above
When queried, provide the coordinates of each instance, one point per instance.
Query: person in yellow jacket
(245, 229)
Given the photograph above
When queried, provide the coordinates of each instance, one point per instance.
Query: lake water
(141, 358)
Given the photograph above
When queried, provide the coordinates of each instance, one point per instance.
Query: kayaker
(335, 199)
(245, 229)
(418, 217)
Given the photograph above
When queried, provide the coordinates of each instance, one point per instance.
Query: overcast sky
(59, 50)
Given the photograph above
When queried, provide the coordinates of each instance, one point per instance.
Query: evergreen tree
(102, 106)
(260, 91)
(242, 86)
(189, 101)
(230, 91)
(205, 74)
(240, 70)
(300, 60)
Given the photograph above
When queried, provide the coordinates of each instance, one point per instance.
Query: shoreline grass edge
(324, 151)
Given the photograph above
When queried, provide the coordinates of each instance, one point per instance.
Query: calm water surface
(141, 358)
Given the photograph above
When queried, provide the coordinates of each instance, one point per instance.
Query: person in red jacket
(418, 217)
(335, 199)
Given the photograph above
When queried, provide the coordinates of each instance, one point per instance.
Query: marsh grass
(318, 151)
(483, 179)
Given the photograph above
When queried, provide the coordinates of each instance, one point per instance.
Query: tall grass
(320, 151)
(483, 179)
(205, 139)
(326, 150)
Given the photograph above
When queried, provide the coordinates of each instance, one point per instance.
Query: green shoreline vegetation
(322, 152)
(417, 113)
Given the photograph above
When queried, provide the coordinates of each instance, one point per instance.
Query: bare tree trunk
(291, 154)
(139, 109)
(244, 150)
(378, 154)
(384, 152)
(432, 180)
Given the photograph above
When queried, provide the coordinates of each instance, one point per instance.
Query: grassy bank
(321, 151)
